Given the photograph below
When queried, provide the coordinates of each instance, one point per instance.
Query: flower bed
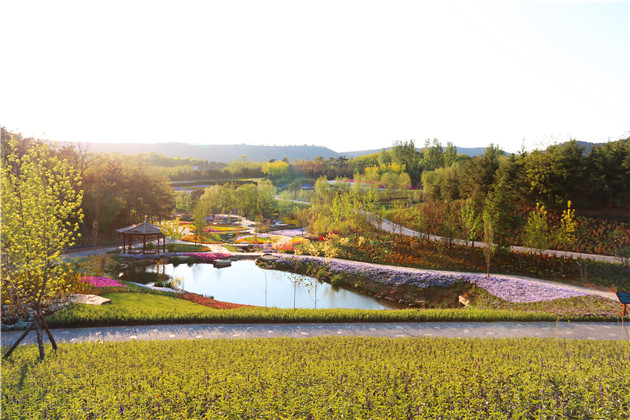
(101, 282)
(206, 301)
(411, 252)
(287, 246)
(509, 289)
(206, 257)
(289, 232)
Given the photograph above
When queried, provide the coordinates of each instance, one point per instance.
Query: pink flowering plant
(206, 257)
(101, 282)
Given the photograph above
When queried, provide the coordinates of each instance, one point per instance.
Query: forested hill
(218, 152)
(227, 152)
(469, 151)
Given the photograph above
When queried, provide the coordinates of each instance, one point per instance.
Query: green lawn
(142, 308)
(326, 377)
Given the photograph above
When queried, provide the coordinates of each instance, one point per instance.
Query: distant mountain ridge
(217, 152)
(230, 152)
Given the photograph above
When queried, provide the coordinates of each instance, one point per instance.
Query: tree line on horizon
(121, 190)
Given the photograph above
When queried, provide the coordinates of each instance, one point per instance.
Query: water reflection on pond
(246, 283)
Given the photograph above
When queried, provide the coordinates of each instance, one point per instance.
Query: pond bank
(427, 288)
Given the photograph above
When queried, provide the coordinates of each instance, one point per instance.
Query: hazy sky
(349, 75)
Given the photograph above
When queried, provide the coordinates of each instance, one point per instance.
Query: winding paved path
(573, 330)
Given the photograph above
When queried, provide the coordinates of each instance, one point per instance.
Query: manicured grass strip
(226, 228)
(187, 248)
(326, 377)
(138, 309)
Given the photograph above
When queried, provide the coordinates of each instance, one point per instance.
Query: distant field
(326, 377)
(210, 182)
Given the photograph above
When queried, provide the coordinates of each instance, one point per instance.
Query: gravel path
(573, 330)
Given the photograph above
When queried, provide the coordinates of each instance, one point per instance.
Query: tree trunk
(40, 338)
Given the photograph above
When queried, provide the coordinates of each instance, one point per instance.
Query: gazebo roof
(141, 229)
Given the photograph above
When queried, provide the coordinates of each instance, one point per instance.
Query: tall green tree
(183, 202)
(565, 234)
(470, 220)
(275, 169)
(537, 231)
(609, 174)
(266, 202)
(557, 173)
(199, 220)
(433, 155)
(450, 154)
(480, 174)
(120, 191)
(247, 198)
(41, 212)
(172, 229)
(405, 153)
(489, 223)
(211, 200)
(505, 220)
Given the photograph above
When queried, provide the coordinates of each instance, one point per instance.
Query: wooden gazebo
(145, 231)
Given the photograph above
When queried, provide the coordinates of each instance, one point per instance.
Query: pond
(246, 283)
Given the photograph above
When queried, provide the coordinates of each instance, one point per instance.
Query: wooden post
(50, 336)
(624, 299)
(144, 245)
(8, 353)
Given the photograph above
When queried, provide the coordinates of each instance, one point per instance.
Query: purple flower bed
(288, 232)
(102, 282)
(510, 289)
(521, 291)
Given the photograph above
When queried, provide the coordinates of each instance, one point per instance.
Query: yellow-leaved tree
(41, 212)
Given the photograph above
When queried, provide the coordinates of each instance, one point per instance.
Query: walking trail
(563, 330)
